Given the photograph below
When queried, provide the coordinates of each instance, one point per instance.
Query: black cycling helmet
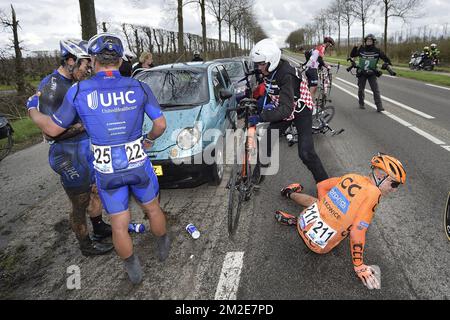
(370, 36)
(328, 40)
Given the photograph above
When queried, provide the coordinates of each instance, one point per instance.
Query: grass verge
(25, 131)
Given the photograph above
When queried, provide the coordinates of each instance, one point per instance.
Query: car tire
(218, 168)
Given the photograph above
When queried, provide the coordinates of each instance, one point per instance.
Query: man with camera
(367, 69)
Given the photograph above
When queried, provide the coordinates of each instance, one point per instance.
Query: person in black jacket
(283, 105)
(197, 56)
(367, 69)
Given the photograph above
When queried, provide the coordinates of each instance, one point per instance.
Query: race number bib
(135, 151)
(108, 159)
(102, 159)
(320, 233)
(310, 215)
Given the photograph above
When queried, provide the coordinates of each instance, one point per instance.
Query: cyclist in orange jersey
(345, 206)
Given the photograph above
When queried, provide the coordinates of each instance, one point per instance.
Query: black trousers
(373, 85)
(306, 151)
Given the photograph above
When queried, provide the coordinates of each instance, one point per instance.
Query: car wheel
(218, 168)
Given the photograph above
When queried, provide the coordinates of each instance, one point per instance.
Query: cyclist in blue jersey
(69, 153)
(112, 109)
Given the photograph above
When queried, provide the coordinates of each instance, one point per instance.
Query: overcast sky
(45, 22)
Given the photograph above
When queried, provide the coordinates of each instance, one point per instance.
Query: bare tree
(232, 8)
(216, 8)
(13, 24)
(347, 16)
(397, 8)
(362, 10)
(88, 20)
(335, 15)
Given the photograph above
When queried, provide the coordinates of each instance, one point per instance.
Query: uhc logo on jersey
(339, 200)
(94, 99)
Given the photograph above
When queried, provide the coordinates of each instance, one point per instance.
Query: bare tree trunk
(348, 36)
(229, 36)
(104, 27)
(20, 76)
(157, 42)
(180, 26)
(220, 38)
(137, 42)
(385, 25)
(127, 38)
(172, 34)
(88, 20)
(204, 41)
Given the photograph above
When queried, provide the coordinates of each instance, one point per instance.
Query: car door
(229, 103)
(219, 105)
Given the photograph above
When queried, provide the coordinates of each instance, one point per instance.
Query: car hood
(176, 120)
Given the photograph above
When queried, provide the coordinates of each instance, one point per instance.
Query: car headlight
(188, 138)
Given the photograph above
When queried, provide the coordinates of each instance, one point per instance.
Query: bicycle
(323, 113)
(447, 218)
(245, 174)
(6, 137)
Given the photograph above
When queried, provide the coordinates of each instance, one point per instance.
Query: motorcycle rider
(69, 154)
(435, 52)
(287, 99)
(369, 55)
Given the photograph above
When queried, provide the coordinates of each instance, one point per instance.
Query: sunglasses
(394, 184)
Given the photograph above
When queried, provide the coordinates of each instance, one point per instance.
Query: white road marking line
(399, 120)
(401, 105)
(230, 276)
(427, 135)
(433, 85)
(424, 134)
(389, 76)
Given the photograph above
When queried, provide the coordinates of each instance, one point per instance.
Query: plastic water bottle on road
(193, 231)
(136, 228)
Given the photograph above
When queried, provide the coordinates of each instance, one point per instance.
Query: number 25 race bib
(108, 159)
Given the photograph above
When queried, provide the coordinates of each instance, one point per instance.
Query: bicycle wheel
(236, 196)
(6, 143)
(322, 117)
(447, 218)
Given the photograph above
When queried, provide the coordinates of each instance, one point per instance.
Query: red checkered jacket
(287, 92)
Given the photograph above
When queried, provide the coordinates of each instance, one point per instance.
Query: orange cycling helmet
(390, 165)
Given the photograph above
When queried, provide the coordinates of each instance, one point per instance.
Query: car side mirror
(246, 67)
(225, 94)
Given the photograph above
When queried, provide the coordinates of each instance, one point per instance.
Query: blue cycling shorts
(72, 160)
(114, 188)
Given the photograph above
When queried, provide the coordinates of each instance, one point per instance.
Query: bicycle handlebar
(245, 104)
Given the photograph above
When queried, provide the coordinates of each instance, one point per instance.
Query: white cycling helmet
(266, 50)
(433, 46)
(73, 47)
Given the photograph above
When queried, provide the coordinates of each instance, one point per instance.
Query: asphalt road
(406, 239)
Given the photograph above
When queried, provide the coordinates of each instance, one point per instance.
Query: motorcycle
(421, 61)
